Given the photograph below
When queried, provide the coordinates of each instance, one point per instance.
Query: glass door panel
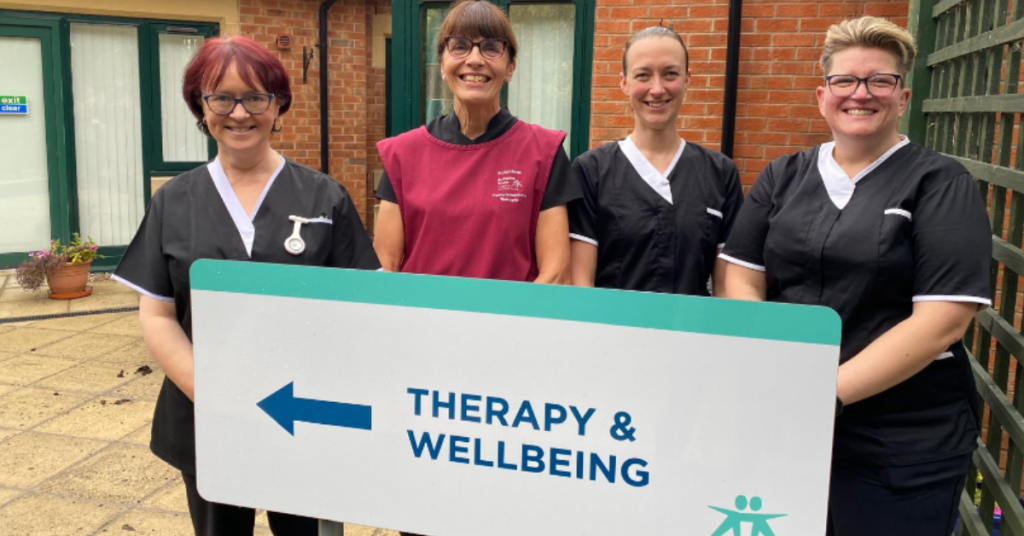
(108, 131)
(438, 100)
(24, 175)
(182, 141)
(541, 87)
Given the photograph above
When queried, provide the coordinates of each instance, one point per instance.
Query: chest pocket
(793, 250)
(895, 250)
(712, 229)
(711, 232)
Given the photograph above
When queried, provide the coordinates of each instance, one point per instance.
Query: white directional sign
(461, 407)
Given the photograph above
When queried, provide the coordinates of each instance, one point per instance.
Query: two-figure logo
(734, 519)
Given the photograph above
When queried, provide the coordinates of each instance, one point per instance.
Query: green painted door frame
(406, 104)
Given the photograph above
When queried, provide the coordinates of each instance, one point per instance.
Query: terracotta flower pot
(69, 282)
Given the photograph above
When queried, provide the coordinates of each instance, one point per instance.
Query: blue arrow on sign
(283, 407)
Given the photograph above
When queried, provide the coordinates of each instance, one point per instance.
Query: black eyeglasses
(254, 103)
(491, 48)
(878, 85)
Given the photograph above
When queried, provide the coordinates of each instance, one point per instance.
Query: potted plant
(64, 268)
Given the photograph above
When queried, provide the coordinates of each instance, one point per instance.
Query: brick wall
(376, 104)
(776, 113)
(264, 20)
(348, 65)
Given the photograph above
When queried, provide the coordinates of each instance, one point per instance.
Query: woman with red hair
(249, 203)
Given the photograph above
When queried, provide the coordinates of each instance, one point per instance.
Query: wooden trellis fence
(967, 103)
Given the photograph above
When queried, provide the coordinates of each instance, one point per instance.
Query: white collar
(839, 185)
(243, 221)
(647, 171)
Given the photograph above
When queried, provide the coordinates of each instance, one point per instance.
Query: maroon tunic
(471, 210)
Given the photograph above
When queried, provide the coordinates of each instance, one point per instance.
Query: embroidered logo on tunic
(510, 188)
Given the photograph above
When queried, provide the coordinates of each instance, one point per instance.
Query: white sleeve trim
(959, 299)
(899, 212)
(717, 213)
(141, 290)
(721, 246)
(744, 264)
(944, 355)
(582, 238)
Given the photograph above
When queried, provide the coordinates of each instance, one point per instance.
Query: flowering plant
(32, 273)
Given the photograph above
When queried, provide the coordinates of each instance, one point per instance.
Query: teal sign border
(691, 314)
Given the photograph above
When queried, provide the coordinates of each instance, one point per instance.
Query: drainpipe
(732, 75)
(325, 133)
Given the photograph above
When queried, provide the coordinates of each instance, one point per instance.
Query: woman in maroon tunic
(476, 193)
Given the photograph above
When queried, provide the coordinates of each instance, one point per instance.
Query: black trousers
(871, 500)
(215, 519)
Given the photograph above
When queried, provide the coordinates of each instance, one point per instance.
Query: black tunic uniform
(910, 228)
(654, 232)
(195, 216)
(561, 189)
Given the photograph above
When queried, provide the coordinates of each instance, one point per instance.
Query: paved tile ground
(75, 413)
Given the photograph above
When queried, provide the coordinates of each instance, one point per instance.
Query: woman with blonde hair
(894, 237)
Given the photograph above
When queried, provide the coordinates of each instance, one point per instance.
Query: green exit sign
(13, 105)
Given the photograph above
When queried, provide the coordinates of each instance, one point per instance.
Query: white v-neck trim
(838, 184)
(656, 180)
(243, 221)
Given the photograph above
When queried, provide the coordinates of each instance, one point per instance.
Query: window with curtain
(438, 100)
(182, 141)
(108, 131)
(541, 87)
